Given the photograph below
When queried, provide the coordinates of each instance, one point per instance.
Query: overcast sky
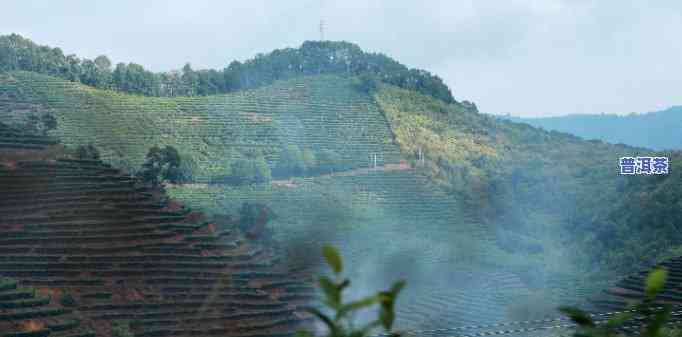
(524, 57)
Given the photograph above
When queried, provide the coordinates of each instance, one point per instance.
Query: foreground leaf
(324, 318)
(303, 333)
(357, 305)
(578, 316)
(655, 282)
(333, 258)
(331, 292)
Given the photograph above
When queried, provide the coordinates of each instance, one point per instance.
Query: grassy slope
(208, 131)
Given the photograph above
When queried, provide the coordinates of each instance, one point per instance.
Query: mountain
(492, 213)
(657, 130)
(311, 58)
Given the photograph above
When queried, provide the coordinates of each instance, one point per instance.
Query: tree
(89, 73)
(121, 329)
(291, 161)
(41, 124)
(161, 166)
(365, 83)
(119, 77)
(103, 63)
(309, 160)
(312, 57)
(250, 171)
(253, 219)
(87, 152)
(68, 300)
(190, 80)
(232, 76)
(74, 70)
(329, 161)
(49, 122)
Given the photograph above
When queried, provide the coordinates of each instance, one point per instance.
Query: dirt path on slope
(402, 166)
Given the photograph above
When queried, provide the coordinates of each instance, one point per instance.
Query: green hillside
(486, 202)
(210, 132)
(548, 187)
(657, 130)
(311, 58)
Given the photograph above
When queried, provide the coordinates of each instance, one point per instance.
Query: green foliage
(309, 160)
(41, 124)
(365, 83)
(209, 132)
(644, 319)
(68, 300)
(330, 161)
(49, 122)
(515, 177)
(331, 255)
(341, 324)
(291, 162)
(654, 283)
(296, 162)
(87, 152)
(121, 329)
(311, 58)
(253, 217)
(249, 171)
(161, 165)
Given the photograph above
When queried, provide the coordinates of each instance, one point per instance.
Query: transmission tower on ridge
(321, 30)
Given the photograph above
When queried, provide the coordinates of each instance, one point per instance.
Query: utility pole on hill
(321, 30)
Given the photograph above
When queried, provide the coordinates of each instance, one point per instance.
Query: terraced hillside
(26, 313)
(456, 272)
(631, 288)
(427, 227)
(85, 229)
(492, 214)
(210, 132)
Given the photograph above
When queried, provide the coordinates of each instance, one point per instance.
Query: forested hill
(311, 58)
(505, 200)
(658, 130)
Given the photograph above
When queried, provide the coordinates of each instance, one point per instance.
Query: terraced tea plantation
(26, 313)
(631, 288)
(83, 230)
(91, 223)
(210, 132)
(392, 225)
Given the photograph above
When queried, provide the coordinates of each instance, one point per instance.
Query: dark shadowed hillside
(88, 247)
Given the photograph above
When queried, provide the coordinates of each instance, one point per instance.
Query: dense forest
(312, 58)
(655, 130)
(518, 177)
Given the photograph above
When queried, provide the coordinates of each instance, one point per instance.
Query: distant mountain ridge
(659, 130)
